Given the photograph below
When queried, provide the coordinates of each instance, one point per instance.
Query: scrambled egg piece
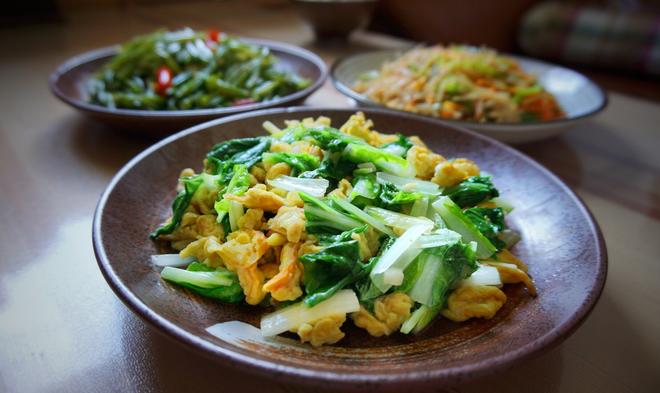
(307, 148)
(285, 285)
(508, 257)
(204, 250)
(293, 199)
(258, 197)
(368, 242)
(309, 247)
(252, 219)
(203, 203)
(417, 141)
(276, 239)
(424, 161)
(280, 147)
(469, 301)
(322, 331)
(240, 254)
(280, 192)
(289, 221)
(269, 269)
(296, 147)
(344, 189)
(390, 313)
(357, 125)
(278, 170)
(450, 173)
(513, 275)
(187, 172)
(259, 173)
(194, 226)
(309, 122)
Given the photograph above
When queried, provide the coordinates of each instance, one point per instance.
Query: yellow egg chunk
(322, 331)
(390, 312)
(478, 301)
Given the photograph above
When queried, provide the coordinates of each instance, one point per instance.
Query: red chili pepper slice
(163, 80)
(213, 35)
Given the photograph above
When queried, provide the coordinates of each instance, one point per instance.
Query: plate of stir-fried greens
(334, 245)
(172, 79)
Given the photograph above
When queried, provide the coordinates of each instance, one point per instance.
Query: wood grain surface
(63, 330)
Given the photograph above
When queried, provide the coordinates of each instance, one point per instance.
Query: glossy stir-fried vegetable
(460, 83)
(324, 223)
(185, 69)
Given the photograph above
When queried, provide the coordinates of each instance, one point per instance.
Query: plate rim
(514, 127)
(307, 376)
(109, 51)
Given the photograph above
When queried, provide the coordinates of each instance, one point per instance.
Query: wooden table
(62, 328)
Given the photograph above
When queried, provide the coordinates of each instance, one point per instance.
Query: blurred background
(616, 42)
(62, 329)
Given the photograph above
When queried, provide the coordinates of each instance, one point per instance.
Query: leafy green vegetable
(411, 273)
(399, 147)
(366, 290)
(397, 258)
(330, 270)
(248, 151)
(328, 239)
(216, 283)
(224, 151)
(238, 185)
(313, 187)
(391, 197)
(440, 268)
(409, 183)
(430, 278)
(472, 191)
(199, 187)
(352, 148)
(385, 161)
(322, 217)
(299, 162)
(365, 190)
(489, 221)
(457, 221)
(356, 212)
(419, 319)
(333, 268)
(333, 168)
(332, 139)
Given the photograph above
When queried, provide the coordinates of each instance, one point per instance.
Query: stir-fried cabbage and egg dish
(327, 224)
(460, 83)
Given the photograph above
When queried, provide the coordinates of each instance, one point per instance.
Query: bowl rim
(308, 376)
(346, 90)
(110, 51)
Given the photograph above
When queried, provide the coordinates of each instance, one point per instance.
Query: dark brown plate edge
(110, 51)
(350, 93)
(437, 377)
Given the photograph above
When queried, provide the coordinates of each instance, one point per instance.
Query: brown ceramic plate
(68, 82)
(560, 241)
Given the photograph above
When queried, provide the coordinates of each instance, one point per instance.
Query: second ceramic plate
(579, 97)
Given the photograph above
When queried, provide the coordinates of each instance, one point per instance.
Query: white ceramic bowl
(578, 96)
